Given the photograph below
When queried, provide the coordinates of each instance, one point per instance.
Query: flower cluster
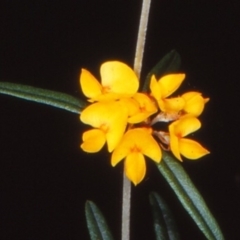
(124, 119)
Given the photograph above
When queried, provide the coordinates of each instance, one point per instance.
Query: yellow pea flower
(134, 144)
(163, 88)
(194, 103)
(109, 120)
(117, 80)
(144, 108)
(180, 145)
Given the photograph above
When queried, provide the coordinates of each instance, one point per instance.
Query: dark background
(45, 178)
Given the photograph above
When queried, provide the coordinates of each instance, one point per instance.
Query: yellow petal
(135, 167)
(107, 97)
(93, 140)
(110, 117)
(116, 119)
(170, 83)
(123, 148)
(194, 103)
(120, 152)
(191, 149)
(185, 126)
(174, 142)
(150, 147)
(117, 77)
(145, 103)
(146, 107)
(101, 113)
(95, 114)
(139, 117)
(137, 140)
(130, 104)
(172, 104)
(155, 88)
(142, 139)
(90, 86)
(116, 130)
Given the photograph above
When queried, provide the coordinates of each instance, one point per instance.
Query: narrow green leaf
(52, 98)
(170, 63)
(189, 196)
(97, 226)
(164, 224)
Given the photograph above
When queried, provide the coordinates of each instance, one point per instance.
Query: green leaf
(189, 196)
(170, 63)
(52, 98)
(96, 223)
(164, 224)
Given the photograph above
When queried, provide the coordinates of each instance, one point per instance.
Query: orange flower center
(104, 127)
(135, 149)
(106, 89)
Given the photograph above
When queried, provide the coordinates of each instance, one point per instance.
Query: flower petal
(117, 119)
(143, 140)
(123, 148)
(120, 152)
(174, 142)
(137, 140)
(130, 104)
(191, 149)
(116, 131)
(93, 140)
(145, 102)
(185, 126)
(146, 107)
(135, 167)
(139, 117)
(170, 83)
(101, 113)
(172, 104)
(194, 103)
(155, 88)
(110, 117)
(95, 114)
(119, 78)
(90, 86)
(150, 148)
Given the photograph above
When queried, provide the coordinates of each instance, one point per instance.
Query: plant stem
(141, 37)
(126, 202)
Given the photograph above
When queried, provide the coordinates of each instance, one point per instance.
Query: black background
(45, 178)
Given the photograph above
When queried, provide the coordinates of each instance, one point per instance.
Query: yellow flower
(117, 80)
(180, 145)
(109, 120)
(163, 88)
(134, 144)
(194, 103)
(140, 107)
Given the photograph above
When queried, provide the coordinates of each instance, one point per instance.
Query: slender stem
(126, 203)
(141, 37)
(126, 208)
